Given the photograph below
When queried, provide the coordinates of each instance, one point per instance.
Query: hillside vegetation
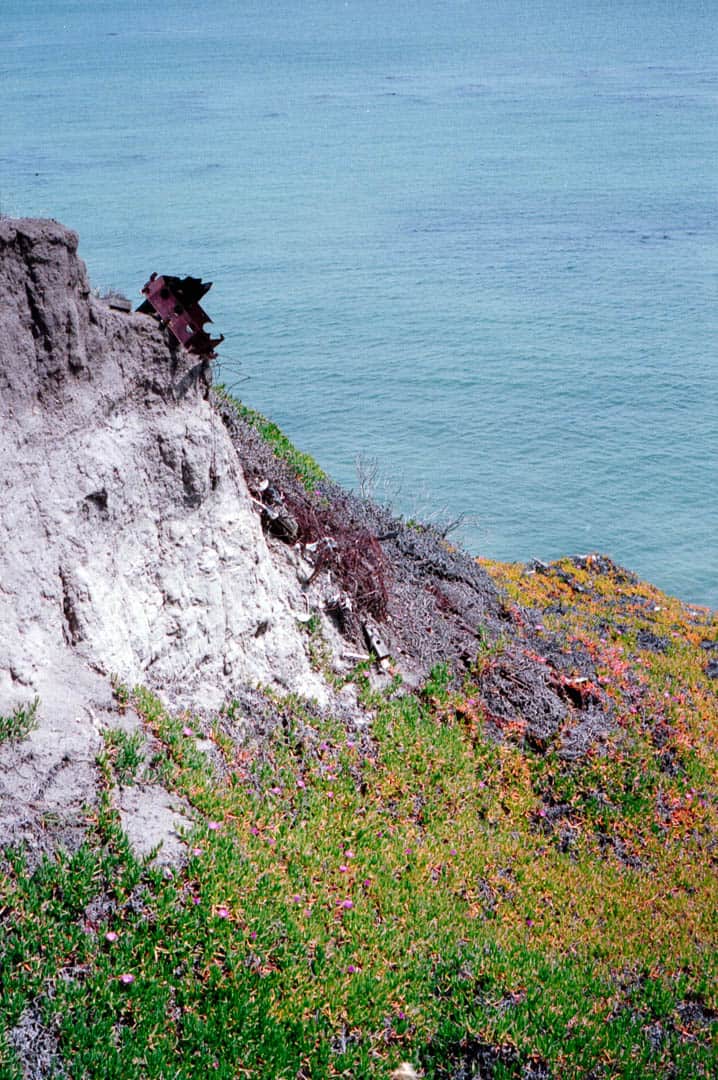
(442, 886)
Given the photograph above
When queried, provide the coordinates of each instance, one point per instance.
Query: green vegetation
(19, 723)
(303, 465)
(124, 750)
(420, 893)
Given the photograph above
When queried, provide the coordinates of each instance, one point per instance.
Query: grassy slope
(423, 893)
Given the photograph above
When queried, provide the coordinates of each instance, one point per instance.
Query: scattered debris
(376, 645)
(276, 518)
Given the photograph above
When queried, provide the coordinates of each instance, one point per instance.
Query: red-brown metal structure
(176, 302)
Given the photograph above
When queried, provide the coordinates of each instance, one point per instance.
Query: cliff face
(128, 535)
(127, 540)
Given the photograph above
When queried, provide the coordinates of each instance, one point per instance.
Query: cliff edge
(128, 543)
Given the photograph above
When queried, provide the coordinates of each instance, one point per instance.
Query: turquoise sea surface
(474, 241)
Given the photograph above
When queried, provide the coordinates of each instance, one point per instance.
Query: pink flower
(348, 854)
(276, 791)
(343, 869)
(196, 851)
(253, 935)
(330, 794)
(196, 900)
(222, 912)
(187, 731)
(301, 784)
(347, 905)
(126, 979)
(111, 936)
(213, 826)
(254, 830)
(297, 898)
(351, 969)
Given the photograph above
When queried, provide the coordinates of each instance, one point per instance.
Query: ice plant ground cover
(432, 889)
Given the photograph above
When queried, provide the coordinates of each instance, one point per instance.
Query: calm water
(475, 241)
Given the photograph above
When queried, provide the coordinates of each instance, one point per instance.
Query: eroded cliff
(128, 544)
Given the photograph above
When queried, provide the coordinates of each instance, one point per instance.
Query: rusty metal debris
(376, 645)
(175, 302)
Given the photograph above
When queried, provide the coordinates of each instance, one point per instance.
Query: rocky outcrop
(128, 544)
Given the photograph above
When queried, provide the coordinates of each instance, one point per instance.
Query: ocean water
(475, 243)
